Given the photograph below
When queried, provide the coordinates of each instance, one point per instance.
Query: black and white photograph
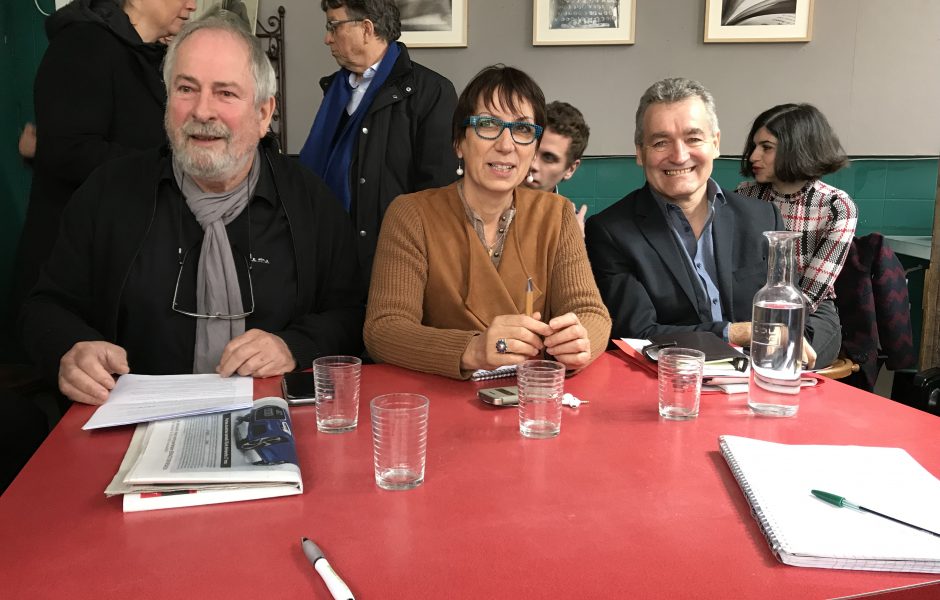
(426, 15)
(246, 9)
(585, 14)
(583, 22)
(433, 23)
(758, 20)
(758, 12)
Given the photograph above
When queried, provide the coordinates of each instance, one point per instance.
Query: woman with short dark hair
(449, 285)
(788, 149)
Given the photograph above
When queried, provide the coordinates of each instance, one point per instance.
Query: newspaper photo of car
(206, 459)
(268, 435)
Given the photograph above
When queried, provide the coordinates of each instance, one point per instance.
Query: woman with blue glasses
(484, 272)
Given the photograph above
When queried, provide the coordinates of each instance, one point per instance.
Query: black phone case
(298, 388)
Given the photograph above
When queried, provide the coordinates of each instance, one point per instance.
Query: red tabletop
(621, 504)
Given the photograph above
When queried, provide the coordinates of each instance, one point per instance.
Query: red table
(621, 504)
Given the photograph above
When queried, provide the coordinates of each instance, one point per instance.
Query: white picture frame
(247, 9)
(757, 21)
(583, 22)
(433, 23)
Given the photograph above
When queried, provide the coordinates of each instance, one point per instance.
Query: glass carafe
(777, 333)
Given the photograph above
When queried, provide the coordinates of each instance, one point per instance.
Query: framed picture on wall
(758, 20)
(582, 22)
(433, 23)
(246, 9)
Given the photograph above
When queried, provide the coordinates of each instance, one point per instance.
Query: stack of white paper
(142, 398)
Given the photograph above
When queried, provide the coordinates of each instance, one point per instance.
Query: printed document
(143, 398)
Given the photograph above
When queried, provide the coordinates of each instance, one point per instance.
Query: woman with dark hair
(449, 286)
(98, 94)
(789, 148)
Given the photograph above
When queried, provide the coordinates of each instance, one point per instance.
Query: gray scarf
(217, 290)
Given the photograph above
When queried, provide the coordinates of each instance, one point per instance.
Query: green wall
(895, 196)
(23, 43)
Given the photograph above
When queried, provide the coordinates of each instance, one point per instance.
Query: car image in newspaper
(205, 459)
(268, 436)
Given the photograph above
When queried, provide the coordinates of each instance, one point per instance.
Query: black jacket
(642, 274)
(98, 95)
(404, 146)
(79, 293)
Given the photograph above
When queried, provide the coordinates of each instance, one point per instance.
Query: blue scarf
(332, 161)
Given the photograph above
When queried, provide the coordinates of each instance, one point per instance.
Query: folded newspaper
(207, 459)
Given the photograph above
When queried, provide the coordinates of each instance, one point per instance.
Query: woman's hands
(525, 337)
(569, 342)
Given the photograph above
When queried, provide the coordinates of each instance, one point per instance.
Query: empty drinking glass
(680, 382)
(336, 381)
(541, 387)
(399, 440)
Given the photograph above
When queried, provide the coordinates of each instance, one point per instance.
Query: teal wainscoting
(895, 195)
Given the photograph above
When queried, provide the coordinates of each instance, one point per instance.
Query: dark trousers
(824, 332)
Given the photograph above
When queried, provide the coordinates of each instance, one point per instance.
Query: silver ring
(501, 346)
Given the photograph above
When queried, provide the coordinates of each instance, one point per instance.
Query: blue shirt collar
(713, 194)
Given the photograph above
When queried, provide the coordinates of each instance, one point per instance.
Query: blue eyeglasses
(490, 128)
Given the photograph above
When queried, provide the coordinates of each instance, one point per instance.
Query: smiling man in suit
(680, 253)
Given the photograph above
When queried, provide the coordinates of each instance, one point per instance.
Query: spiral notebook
(804, 531)
(497, 373)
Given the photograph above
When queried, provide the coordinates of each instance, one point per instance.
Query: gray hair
(218, 19)
(674, 89)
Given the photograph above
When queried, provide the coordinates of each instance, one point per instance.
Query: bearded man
(216, 255)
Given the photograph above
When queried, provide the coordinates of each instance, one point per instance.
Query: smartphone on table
(297, 388)
(507, 395)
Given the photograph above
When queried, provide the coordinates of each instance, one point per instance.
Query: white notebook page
(777, 478)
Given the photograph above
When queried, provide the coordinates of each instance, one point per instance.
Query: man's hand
(85, 371)
(256, 353)
(740, 333)
(569, 343)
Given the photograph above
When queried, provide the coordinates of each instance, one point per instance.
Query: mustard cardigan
(434, 286)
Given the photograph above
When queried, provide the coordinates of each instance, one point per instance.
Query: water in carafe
(777, 333)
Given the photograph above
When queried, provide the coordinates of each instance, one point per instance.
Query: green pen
(842, 502)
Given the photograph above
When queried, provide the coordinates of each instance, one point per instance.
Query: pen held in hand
(529, 298)
(843, 503)
(338, 588)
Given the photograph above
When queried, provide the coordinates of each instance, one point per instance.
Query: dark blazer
(79, 293)
(643, 276)
(404, 146)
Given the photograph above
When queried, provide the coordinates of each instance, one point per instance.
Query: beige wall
(873, 67)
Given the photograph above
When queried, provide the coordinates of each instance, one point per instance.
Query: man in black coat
(220, 256)
(98, 96)
(384, 126)
(680, 253)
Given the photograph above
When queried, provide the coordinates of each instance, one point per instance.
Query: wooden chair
(840, 368)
